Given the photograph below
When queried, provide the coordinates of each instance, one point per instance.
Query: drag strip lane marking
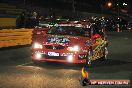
(25, 64)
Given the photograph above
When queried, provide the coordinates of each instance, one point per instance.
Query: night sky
(80, 5)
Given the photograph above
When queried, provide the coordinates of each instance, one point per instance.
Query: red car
(71, 43)
(38, 32)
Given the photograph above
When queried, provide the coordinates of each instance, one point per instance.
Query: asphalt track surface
(18, 71)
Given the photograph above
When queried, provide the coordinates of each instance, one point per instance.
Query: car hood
(64, 39)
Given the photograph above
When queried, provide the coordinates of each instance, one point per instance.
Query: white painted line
(24, 64)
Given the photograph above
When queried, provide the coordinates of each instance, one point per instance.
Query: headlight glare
(70, 58)
(37, 46)
(74, 48)
(38, 55)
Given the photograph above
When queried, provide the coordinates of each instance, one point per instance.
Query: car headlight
(70, 58)
(38, 55)
(74, 48)
(37, 46)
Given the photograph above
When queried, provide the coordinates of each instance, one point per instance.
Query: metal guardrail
(14, 37)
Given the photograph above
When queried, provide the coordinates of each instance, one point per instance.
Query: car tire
(36, 62)
(105, 56)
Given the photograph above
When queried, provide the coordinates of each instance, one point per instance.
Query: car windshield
(68, 30)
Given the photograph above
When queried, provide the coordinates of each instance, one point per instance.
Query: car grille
(54, 57)
(54, 47)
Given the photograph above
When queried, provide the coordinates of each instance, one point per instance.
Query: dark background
(92, 6)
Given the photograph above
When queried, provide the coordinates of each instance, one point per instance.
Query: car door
(97, 41)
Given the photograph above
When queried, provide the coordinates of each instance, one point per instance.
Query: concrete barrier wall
(14, 37)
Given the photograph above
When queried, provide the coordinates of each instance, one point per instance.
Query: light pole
(73, 6)
(118, 9)
(24, 2)
(118, 19)
(102, 9)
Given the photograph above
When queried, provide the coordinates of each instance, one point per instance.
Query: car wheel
(36, 62)
(105, 56)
